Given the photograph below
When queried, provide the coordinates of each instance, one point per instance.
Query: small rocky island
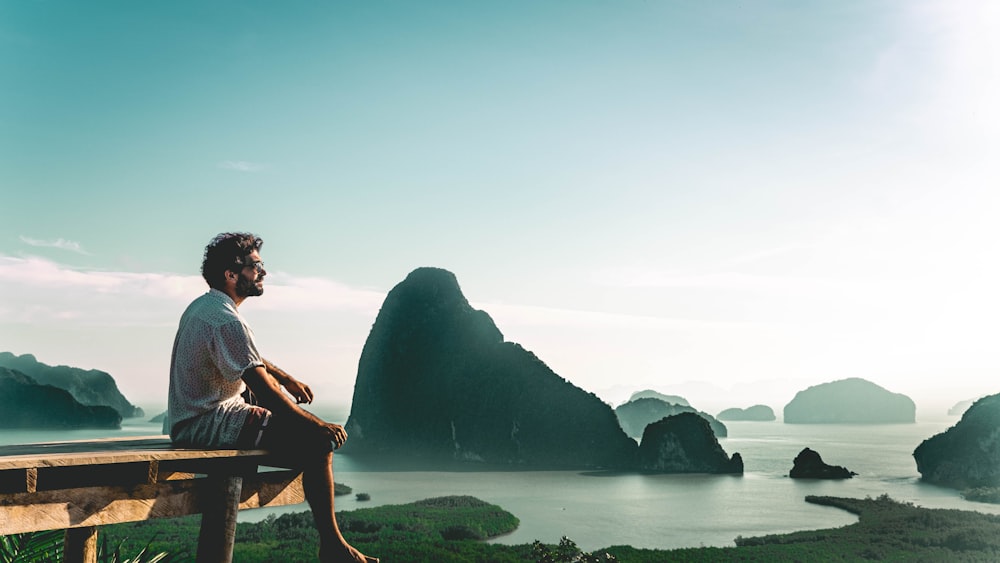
(438, 383)
(810, 465)
(27, 404)
(966, 455)
(849, 401)
(756, 413)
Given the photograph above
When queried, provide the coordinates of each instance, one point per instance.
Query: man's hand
(299, 390)
(295, 388)
(336, 433)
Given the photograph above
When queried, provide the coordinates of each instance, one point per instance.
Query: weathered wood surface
(94, 482)
(96, 506)
(108, 451)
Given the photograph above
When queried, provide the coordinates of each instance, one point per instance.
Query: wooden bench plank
(95, 506)
(109, 451)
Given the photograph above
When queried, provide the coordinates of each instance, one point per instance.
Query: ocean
(599, 509)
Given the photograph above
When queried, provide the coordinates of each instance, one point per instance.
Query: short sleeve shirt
(213, 347)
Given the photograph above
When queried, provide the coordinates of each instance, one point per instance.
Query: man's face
(250, 281)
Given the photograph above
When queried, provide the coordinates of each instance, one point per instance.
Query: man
(215, 360)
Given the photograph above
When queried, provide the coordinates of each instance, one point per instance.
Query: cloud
(59, 243)
(241, 166)
(43, 290)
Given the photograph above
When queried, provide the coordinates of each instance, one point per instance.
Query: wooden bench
(78, 486)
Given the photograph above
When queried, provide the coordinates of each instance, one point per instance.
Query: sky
(728, 201)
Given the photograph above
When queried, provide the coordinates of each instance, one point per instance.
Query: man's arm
(269, 395)
(299, 390)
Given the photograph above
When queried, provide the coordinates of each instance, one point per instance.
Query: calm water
(656, 511)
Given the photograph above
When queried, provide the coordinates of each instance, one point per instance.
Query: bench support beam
(218, 519)
(80, 545)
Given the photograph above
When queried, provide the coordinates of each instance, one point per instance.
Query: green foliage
(47, 546)
(567, 552)
(33, 546)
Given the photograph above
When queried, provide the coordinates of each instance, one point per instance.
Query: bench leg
(218, 518)
(80, 545)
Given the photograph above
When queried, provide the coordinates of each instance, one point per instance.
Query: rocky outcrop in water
(26, 404)
(684, 443)
(967, 454)
(809, 465)
(756, 413)
(849, 401)
(89, 387)
(436, 381)
(635, 415)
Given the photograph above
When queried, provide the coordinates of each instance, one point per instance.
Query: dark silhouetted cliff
(810, 465)
(26, 404)
(89, 387)
(635, 415)
(759, 413)
(437, 381)
(684, 443)
(967, 454)
(851, 401)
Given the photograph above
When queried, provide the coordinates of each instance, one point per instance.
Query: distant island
(638, 413)
(651, 394)
(959, 408)
(437, 382)
(849, 401)
(756, 413)
(89, 387)
(27, 404)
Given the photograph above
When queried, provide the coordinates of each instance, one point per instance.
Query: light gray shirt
(213, 347)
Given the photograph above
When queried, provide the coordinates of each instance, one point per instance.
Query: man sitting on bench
(215, 360)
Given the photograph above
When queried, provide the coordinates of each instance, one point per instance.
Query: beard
(249, 288)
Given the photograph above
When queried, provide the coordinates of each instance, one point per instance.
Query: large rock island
(89, 387)
(684, 443)
(850, 401)
(437, 381)
(27, 404)
(967, 454)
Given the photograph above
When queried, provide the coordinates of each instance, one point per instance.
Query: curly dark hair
(227, 251)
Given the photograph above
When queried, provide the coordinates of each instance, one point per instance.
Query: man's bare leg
(317, 481)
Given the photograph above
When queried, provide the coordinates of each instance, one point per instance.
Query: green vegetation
(37, 547)
(982, 494)
(451, 529)
(438, 529)
(887, 530)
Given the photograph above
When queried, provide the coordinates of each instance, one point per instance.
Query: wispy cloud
(60, 243)
(241, 166)
(41, 289)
